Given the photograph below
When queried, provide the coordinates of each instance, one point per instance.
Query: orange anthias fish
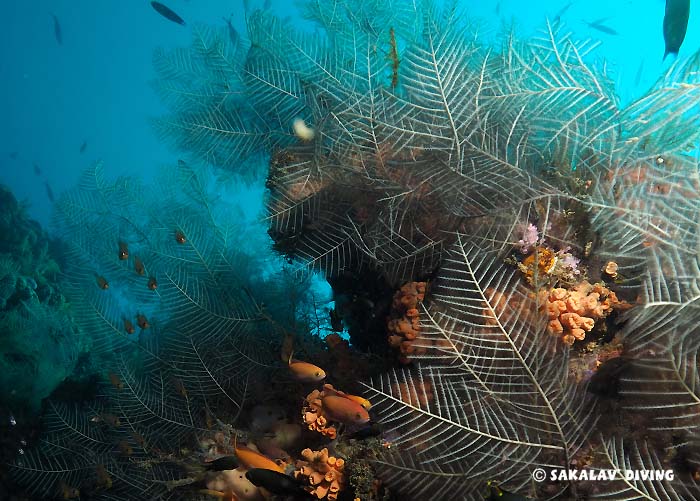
(142, 321)
(116, 381)
(305, 372)
(152, 283)
(344, 410)
(139, 267)
(360, 400)
(102, 283)
(128, 326)
(253, 459)
(355, 398)
(123, 251)
(67, 492)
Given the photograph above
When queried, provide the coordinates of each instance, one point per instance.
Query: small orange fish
(104, 479)
(180, 387)
(305, 372)
(123, 251)
(102, 283)
(152, 283)
(128, 326)
(68, 492)
(125, 449)
(142, 321)
(139, 267)
(344, 410)
(362, 401)
(116, 381)
(252, 459)
(180, 237)
(139, 439)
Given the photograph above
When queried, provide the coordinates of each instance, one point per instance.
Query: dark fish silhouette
(598, 25)
(83, 147)
(267, 5)
(222, 464)
(373, 430)
(49, 192)
(675, 25)
(13, 155)
(275, 482)
(167, 13)
(557, 16)
(232, 33)
(37, 170)
(57, 30)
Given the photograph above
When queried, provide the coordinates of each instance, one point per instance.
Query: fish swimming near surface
(83, 147)
(167, 13)
(37, 170)
(562, 11)
(232, 33)
(599, 26)
(675, 25)
(57, 30)
(49, 192)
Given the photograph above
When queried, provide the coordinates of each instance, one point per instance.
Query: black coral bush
(430, 154)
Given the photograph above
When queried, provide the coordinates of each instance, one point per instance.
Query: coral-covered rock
(322, 474)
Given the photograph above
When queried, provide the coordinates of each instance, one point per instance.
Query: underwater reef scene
(513, 257)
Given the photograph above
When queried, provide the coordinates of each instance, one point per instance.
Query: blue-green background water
(95, 87)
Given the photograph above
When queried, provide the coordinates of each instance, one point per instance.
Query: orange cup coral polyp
(404, 321)
(573, 312)
(322, 474)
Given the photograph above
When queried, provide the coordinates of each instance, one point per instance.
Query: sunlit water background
(95, 87)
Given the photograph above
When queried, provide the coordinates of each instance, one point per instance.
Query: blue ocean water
(187, 294)
(95, 87)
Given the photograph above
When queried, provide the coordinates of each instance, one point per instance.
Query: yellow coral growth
(323, 475)
(573, 312)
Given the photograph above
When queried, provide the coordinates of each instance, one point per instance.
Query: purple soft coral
(530, 237)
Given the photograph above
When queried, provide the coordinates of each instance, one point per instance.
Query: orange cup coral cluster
(323, 475)
(404, 321)
(573, 312)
